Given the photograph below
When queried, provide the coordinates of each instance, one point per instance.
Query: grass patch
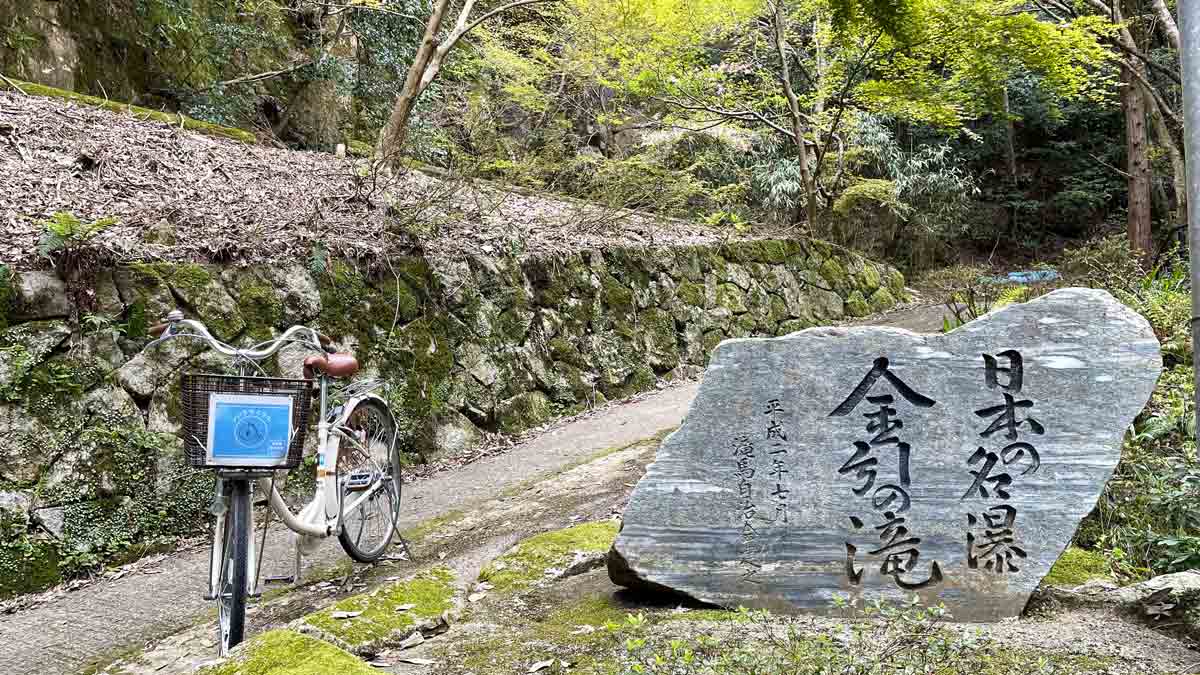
(144, 114)
(431, 593)
(283, 652)
(528, 561)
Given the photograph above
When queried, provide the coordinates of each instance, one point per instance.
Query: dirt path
(89, 626)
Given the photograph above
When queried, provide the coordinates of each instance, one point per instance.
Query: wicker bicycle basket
(197, 388)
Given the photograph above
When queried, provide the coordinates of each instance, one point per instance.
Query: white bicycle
(248, 426)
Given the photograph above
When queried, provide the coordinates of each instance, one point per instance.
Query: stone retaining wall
(90, 467)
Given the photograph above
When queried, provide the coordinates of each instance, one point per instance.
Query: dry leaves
(225, 201)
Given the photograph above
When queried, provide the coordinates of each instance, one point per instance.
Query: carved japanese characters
(878, 463)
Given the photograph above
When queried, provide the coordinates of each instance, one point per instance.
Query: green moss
(616, 297)
(658, 329)
(779, 312)
(144, 114)
(895, 282)
(1076, 566)
(430, 593)
(691, 294)
(834, 274)
(777, 251)
(528, 561)
(524, 411)
(197, 286)
(856, 305)
(732, 298)
(712, 338)
(26, 565)
(360, 149)
(868, 279)
(9, 283)
(259, 304)
(283, 652)
(881, 300)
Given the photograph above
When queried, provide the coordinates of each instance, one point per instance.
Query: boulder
(876, 463)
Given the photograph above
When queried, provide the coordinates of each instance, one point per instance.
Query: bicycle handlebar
(175, 321)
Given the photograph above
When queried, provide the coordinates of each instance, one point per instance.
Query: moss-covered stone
(528, 561)
(690, 294)
(524, 411)
(199, 288)
(881, 300)
(284, 652)
(895, 282)
(380, 624)
(856, 305)
(1076, 566)
(867, 280)
(731, 298)
(659, 336)
(617, 298)
(835, 274)
(26, 564)
(777, 312)
(144, 114)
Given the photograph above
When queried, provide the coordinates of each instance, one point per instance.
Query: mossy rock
(524, 411)
(284, 652)
(712, 338)
(617, 298)
(856, 305)
(27, 565)
(895, 282)
(380, 624)
(835, 275)
(1077, 566)
(200, 289)
(881, 300)
(145, 114)
(868, 280)
(731, 298)
(659, 335)
(528, 562)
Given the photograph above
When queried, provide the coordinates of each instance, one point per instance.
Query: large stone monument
(879, 463)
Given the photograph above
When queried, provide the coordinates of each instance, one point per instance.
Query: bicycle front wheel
(231, 582)
(369, 482)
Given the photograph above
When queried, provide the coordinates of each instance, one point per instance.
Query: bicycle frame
(321, 517)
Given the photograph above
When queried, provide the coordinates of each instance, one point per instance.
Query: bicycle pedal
(360, 480)
(280, 579)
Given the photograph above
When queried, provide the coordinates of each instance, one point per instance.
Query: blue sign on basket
(249, 430)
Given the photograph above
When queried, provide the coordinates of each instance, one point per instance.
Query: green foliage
(8, 294)
(63, 233)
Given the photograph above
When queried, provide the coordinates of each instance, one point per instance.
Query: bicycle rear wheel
(369, 482)
(231, 582)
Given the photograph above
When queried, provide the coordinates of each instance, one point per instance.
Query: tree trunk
(1010, 145)
(395, 132)
(1167, 22)
(785, 79)
(1166, 140)
(1138, 165)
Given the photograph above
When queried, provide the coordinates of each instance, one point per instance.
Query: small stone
(42, 295)
(1011, 426)
(412, 641)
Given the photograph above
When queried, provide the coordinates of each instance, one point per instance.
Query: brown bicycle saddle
(333, 365)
